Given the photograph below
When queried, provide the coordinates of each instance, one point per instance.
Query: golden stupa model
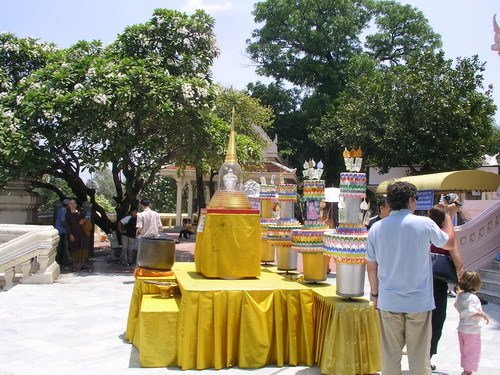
(230, 193)
(228, 238)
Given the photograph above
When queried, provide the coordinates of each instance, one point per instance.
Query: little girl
(469, 328)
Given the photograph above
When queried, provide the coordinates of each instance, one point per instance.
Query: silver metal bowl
(156, 253)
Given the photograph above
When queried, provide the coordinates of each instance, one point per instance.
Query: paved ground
(76, 325)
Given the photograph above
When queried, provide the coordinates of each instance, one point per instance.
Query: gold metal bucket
(266, 251)
(287, 259)
(315, 266)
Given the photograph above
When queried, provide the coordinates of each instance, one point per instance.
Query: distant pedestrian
(127, 227)
(62, 256)
(383, 211)
(400, 275)
(187, 229)
(78, 239)
(469, 328)
(148, 221)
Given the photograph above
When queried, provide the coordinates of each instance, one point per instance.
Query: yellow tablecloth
(158, 324)
(347, 335)
(244, 323)
(257, 322)
(140, 288)
(229, 246)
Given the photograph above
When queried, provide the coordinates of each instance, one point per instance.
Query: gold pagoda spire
(231, 156)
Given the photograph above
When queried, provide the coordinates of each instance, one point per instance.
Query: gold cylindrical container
(287, 258)
(266, 251)
(315, 266)
(266, 208)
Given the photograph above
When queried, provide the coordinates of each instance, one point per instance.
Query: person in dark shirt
(127, 227)
(383, 211)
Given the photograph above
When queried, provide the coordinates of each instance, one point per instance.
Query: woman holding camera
(438, 214)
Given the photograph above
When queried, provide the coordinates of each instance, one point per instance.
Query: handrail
(479, 239)
(27, 254)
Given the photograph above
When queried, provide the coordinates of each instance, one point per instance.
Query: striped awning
(450, 181)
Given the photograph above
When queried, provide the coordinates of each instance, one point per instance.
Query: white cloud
(214, 6)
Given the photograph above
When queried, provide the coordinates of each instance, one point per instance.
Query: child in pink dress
(469, 327)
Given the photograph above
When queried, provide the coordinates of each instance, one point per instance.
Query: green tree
(317, 46)
(402, 31)
(293, 116)
(131, 105)
(102, 181)
(426, 113)
(162, 192)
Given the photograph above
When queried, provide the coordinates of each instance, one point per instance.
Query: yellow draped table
(228, 244)
(347, 334)
(254, 323)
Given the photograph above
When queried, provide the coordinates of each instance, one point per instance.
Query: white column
(207, 194)
(190, 200)
(178, 209)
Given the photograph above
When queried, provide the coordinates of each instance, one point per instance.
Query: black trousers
(439, 313)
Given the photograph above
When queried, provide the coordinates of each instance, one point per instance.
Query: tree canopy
(131, 104)
(426, 113)
(333, 58)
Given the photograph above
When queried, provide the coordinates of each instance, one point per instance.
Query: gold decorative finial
(231, 147)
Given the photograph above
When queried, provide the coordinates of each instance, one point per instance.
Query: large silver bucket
(350, 279)
(156, 253)
(287, 259)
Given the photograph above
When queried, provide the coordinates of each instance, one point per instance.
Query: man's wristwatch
(374, 294)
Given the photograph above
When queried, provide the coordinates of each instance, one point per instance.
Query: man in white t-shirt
(148, 221)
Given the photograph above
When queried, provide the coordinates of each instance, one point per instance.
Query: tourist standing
(440, 287)
(74, 222)
(469, 328)
(128, 229)
(383, 211)
(148, 221)
(62, 256)
(400, 275)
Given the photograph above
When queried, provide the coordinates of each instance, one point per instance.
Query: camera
(452, 198)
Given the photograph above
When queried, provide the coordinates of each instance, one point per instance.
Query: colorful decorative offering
(353, 184)
(314, 189)
(281, 233)
(309, 239)
(267, 191)
(349, 247)
(347, 243)
(287, 192)
(265, 223)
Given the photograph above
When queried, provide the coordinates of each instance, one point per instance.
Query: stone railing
(479, 239)
(27, 254)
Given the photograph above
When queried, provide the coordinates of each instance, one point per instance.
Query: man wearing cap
(400, 274)
(148, 221)
(62, 256)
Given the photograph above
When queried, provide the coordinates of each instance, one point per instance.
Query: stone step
(490, 296)
(491, 284)
(495, 265)
(490, 273)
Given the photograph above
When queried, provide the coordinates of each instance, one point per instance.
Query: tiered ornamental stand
(308, 241)
(347, 243)
(280, 235)
(267, 196)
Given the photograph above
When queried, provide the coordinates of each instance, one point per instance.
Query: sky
(465, 26)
